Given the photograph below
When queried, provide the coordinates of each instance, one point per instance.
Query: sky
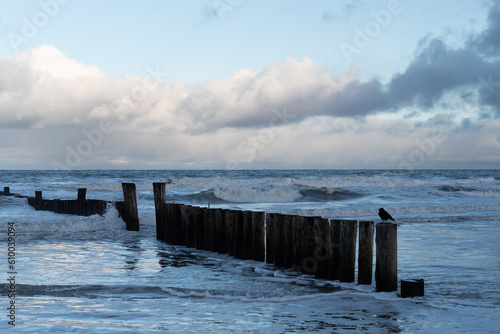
(241, 84)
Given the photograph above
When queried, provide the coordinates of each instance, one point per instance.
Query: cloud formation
(291, 111)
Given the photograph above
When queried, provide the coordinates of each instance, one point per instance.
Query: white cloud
(291, 114)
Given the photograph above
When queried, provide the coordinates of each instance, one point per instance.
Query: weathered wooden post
(81, 194)
(239, 228)
(6, 191)
(288, 237)
(259, 238)
(131, 215)
(412, 288)
(270, 237)
(160, 197)
(334, 267)
(308, 244)
(348, 231)
(221, 224)
(176, 225)
(215, 217)
(322, 250)
(208, 229)
(297, 242)
(365, 252)
(199, 226)
(232, 217)
(247, 235)
(38, 200)
(386, 266)
(279, 240)
(187, 216)
(167, 210)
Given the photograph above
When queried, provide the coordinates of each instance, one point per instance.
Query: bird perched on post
(384, 215)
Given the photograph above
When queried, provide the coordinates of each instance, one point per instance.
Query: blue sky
(205, 84)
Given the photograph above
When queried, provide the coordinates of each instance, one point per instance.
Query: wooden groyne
(86, 207)
(311, 245)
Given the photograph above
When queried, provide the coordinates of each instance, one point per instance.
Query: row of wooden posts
(311, 245)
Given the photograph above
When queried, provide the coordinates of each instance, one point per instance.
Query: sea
(72, 274)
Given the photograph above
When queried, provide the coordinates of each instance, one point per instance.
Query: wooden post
(412, 288)
(288, 237)
(176, 225)
(239, 249)
(365, 252)
(279, 240)
(81, 194)
(297, 242)
(334, 266)
(208, 229)
(199, 227)
(6, 191)
(348, 231)
(322, 250)
(308, 243)
(386, 267)
(259, 238)
(247, 235)
(189, 223)
(215, 217)
(38, 200)
(270, 237)
(232, 217)
(222, 231)
(167, 210)
(160, 197)
(131, 215)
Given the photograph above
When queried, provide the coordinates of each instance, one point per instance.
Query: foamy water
(88, 274)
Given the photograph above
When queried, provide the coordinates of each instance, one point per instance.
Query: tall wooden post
(160, 198)
(386, 267)
(279, 245)
(208, 229)
(348, 231)
(81, 194)
(365, 252)
(334, 267)
(222, 231)
(322, 250)
(297, 242)
(239, 249)
(131, 215)
(247, 235)
(6, 191)
(187, 215)
(232, 218)
(259, 242)
(288, 237)
(270, 237)
(199, 226)
(176, 225)
(308, 244)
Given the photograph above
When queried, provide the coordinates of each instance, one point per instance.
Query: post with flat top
(348, 231)
(6, 191)
(160, 197)
(131, 215)
(365, 252)
(386, 266)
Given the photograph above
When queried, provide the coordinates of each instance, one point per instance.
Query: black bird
(384, 215)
